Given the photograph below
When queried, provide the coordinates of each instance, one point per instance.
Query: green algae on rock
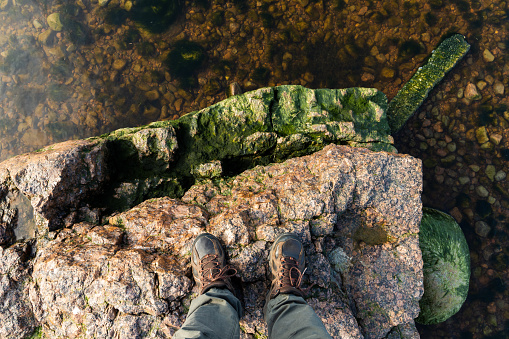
(413, 93)
(446, 271)
(276, 123)
(256, 128)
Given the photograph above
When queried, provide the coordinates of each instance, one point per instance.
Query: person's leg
(286, 313)
(289, 316)
(215, 313)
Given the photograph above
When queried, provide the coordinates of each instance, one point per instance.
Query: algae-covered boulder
(446, 267)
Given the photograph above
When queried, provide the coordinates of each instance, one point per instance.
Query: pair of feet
(286, 264)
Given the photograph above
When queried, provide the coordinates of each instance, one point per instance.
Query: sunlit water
(110, 64)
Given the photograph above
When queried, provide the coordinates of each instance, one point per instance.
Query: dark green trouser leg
(214, 314)
(289, 316)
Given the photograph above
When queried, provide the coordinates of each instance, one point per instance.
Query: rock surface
(89, 179)
(105, 225)
(356, 211)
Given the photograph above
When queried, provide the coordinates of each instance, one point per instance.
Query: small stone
(481, 135)
(481, 84)
(46, 37)
(103, 3)
(128, 5)
(487, 145)
(448, 160)
(308, 77)
(460, 93)
(425, 37)
(471, 92)
(464, 180)
(287, 56)
(388, 73)
(451, 147)
(54, 22)
(482, 191)
(489, 79)
(488, 56)
(495, 138)
(37, 24)
(499, 88)
(178, 104)
(500, 175)
(367, 77)
(482, 229)
(119, 64)
(491, 200)
(490, 172)
(152, 95)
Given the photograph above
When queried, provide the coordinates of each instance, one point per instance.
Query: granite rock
(16, 317)
(57, 180)
(132, 278)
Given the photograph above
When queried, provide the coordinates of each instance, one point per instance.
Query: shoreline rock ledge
(357, 212)
(123, 271)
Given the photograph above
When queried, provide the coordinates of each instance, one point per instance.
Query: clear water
(122, 63)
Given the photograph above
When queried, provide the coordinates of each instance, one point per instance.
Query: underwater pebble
(488, 56)
(451, 147)
(482, 191)
(119, 64)
(388, 73)
(490, 172)
(46, 37)
(481, 85)
(500, 175)
(464, 180)
(495, 138)
(37, 24)
(499, 88)
(481, 135)
(471, 92)
(460, 93)
(152, 95)
(482, 229)
(487, 145)
(54, 22)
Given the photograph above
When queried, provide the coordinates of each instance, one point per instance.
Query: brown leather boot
(287, 263)
(208, 263)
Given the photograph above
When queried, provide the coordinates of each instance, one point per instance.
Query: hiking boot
(287, 263)
(208, 262)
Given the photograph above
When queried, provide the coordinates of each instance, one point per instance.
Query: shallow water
(114, 64)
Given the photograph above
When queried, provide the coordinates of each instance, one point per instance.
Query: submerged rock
(415, 91)
(446, 267)
(54, 22)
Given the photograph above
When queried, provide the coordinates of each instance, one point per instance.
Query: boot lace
(291, 276)
(211, 270)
